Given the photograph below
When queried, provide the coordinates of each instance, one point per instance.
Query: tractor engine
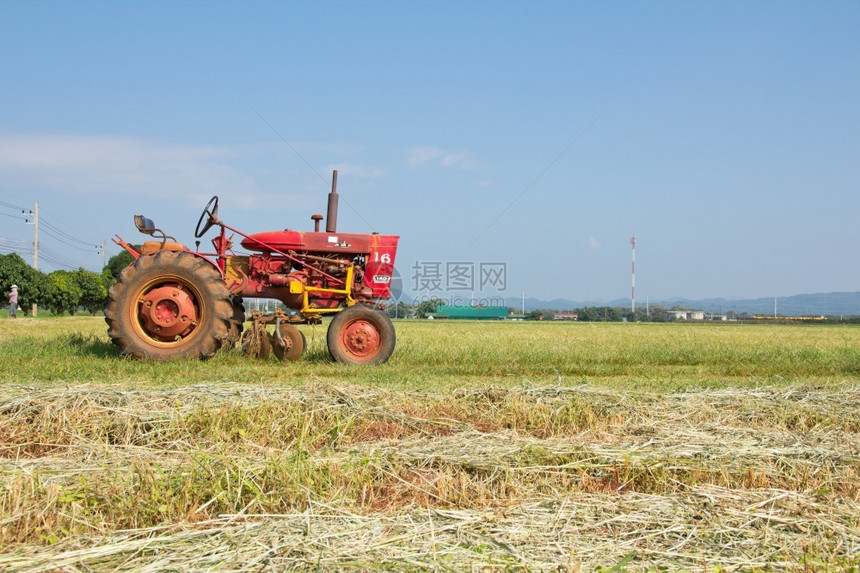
(316, 267)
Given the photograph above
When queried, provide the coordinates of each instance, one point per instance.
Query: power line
(87, 250)
(58, 263)
(21, 247)
(54, 233)
(19, 250)
(535, 180)
(19, 217)
(11, 206)
(65, 235)
(18, 246)
(45, 254)
(58, 259)
(58, 256)
(70, 236)
(60, 233)
(342, 198)
(5, 192)
(56, 227)
(8, 241)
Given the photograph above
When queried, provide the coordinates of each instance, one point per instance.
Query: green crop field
(479, 446)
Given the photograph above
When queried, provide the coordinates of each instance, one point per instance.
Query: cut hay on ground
(249, 478)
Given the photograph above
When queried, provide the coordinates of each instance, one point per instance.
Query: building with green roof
(444, 312)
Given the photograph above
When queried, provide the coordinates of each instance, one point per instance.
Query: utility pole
(104, 254)
(36, 249)
(36, 237)
(633, 273)
(35, 243)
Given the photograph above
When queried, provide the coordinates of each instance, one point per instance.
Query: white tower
(633, 270)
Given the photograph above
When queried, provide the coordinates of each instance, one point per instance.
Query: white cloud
(593, 243)
(418, 156)
(77, 164)
(422, 155)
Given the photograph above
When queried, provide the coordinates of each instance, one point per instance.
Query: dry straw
(352, 477)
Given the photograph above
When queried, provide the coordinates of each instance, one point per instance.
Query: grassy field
(479, 446)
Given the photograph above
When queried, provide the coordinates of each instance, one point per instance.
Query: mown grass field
(479, 446)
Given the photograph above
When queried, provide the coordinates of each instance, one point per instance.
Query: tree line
(59, 291)
(585, 314)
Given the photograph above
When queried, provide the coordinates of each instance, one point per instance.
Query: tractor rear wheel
(169, 305)
(360, 335)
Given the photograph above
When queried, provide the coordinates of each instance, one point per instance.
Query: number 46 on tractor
(173, 302)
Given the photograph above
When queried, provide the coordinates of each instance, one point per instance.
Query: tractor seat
(150, 247)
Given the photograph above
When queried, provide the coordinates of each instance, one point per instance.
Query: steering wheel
(207, 218)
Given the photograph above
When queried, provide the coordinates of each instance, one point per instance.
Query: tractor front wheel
(169, 305)
(360, 335)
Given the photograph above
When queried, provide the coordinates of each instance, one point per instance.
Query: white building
(686, 314)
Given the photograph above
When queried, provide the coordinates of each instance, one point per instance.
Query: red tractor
(173, 302)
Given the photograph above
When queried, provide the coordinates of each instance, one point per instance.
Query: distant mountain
(830, 303)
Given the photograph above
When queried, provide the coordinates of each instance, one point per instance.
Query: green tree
(64, 295)
(116, 264)
(93, 291)
(603, 314)
(541, 314)
(107, 279)
(399, 310)
(427, 307)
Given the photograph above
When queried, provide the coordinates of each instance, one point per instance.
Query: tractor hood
(306, 241)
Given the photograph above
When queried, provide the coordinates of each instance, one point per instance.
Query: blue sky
(725, 135)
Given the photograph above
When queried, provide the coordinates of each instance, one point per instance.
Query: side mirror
(144, 225)
(147, 227)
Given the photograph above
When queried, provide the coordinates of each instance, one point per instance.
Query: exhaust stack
(331, 216)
